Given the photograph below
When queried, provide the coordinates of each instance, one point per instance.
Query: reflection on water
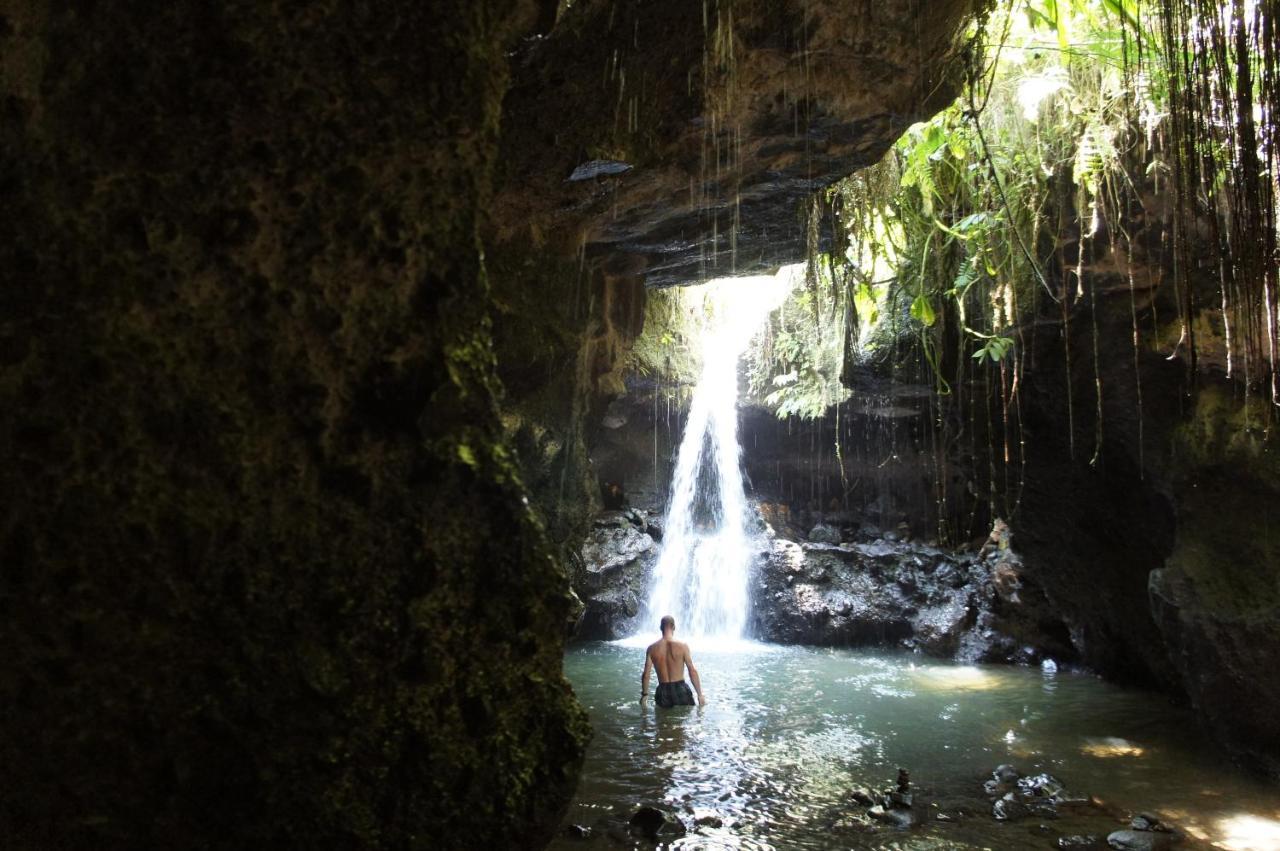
(788, 732)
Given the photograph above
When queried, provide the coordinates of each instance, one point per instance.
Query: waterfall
(702, 570)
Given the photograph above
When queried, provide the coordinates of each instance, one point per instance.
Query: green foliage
(994, 349)
(796, 370)
(666, 347)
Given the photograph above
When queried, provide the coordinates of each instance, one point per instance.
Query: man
(670, 657)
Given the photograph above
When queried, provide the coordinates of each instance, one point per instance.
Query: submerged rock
(1042, 785)
(1147, 821)
(901, 818)
(653, 822)
(1010, 808)
(1139, 840)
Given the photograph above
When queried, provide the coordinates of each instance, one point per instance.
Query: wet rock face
(969, 606)
(617, 563)
(681, 145)
(267, 575)
(1216, 600)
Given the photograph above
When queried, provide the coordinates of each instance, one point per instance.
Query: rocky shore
(843, 585)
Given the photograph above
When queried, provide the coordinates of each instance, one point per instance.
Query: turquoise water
(789, 731)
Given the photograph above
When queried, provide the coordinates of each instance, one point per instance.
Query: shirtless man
(670, 658)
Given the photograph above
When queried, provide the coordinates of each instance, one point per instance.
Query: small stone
(598, 168)
(1147, 821)
(1081, 841)
(945, 817)
(1010, 808)
(900, 799)
(1006, 773)
(994, 788)
(1042, 785)
(1139, 840)
(578, 831)
(710, 821)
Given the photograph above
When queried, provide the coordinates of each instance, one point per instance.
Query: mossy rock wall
(268, 575)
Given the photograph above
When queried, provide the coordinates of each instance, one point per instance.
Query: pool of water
(788, 732)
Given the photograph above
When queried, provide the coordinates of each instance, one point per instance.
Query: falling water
(701, 575)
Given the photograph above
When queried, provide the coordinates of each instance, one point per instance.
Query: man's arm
(644, 678)
(693, 675)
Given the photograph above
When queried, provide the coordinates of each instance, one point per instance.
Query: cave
(358, 419)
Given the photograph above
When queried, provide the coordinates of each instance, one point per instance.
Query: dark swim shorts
(674, 694)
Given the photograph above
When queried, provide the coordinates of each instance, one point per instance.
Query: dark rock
(598, 168)
(900, 799)
(1006, 773)
(900, 818)
(862, 796)
(824, 534)
(653, 822)
(710, 821)
(1139, 840)
(868, 532)
(556, 95)
(963, 806)
(1147, 821)
(255, 478)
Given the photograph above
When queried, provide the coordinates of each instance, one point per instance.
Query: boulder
(616, 562)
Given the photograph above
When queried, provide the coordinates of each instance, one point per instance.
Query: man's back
(669, 659)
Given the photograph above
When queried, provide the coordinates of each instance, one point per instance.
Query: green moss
(267, 572)
(1227, 469)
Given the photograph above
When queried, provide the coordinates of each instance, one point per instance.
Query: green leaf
(922, 311)
(864, 302)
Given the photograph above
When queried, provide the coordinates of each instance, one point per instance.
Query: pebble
(1009, 808)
